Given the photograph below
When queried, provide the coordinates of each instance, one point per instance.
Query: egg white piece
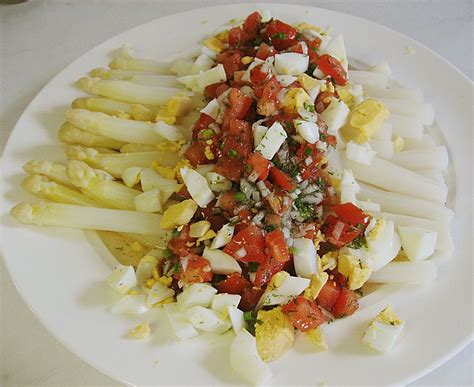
(214, 75)
(272, 141)
(387, 254)
(236, 317)
(211, 109)
(285, 80)
(360, 153)
(368, 206)
(202, 63)
(145, 268)
(418, 243)
(207, 320)
(122, 279)
(223, 236)
(221, 263)
(258, 133)
(130, 304)
(381, 336)
(196, 294)
(337, 49)
(335, 115)
(197, 186)
(308, 130)
(291, 63)
(291, 287)
(245, 360)
(217, 182)
(182, 328)
(158, 293)
(221, 301)
(305, 257)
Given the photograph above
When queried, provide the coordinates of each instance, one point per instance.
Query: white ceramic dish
(60, 273)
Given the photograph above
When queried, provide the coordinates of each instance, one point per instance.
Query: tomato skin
(276, 245)
(280, 34)
(233, 284)
(252, 240)
(265, 51)
(267, 269)
(346, 304)
(252, 23)
(304, 314)
(215, 90)
(227, 202)
(328, 295)
(268, 102)
(217, 220)
(250, 297)
(330, 66)
(281, 179)
(260, 165)
(198, 270)
(230, 168)
(351, 214)
(239, 104)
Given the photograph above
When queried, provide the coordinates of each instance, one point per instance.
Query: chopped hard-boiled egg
(274, 334)
(382, 241)
(158, 293)
(130, 304)
(178, 214)
(337, 49)
(308, 130)
(286, 80)
(221, 263)
(329, 261)
(197, 186)
(272, 141)
(198, 229)
(217, 182)
(348, 187)
(203, 62)
(316, 336)
(223, 236)
(196, 294)
(122, 279)
(291, 63)
(236, 317)
(258, 133)
(282, 288)
(307, 82)
(221, 301)
(364, 121)
(141, 331)
(417, 243)
(145, 269)
(296, 98)
(335, 115)
(211, 109)
(355, 269)
(207, 320)
(182, 328)
(305, 257)
(383, 332)
(245, 360)
(317, 281)
(360, 153)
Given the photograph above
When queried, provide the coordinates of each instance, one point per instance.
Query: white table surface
(38, 38)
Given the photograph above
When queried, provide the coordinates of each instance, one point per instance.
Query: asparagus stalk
(433, 158)
(138, 64)
(136, 76)
(54, 171)
(92, 218)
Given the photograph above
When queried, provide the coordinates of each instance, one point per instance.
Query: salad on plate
(262, 186)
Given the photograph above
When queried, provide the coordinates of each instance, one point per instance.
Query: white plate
(60, 273)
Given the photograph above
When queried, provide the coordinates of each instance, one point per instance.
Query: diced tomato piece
(257, 75)
(298, 48)
(280, 34)
(177, 244)
(233, 284)
(322, 101)
(227, 202)
(338, 278)
(197, 270)
(202, 123)
(273, 220)
(232, 61)
(209, 213)
(276, 245)
(313, 46)
(239, 104)
(250, 297)
(195, 153)
(271, 90)
(328, 295)
(264, 51)
(267, 269)
(339, 233)
(247, 245)
(331, 67)
(304, 314)
(349, 213)
(281, 179)
(230, 168)
(252, 24)
(346, 303)
(260, 165)
(238, 37)
(215, 90)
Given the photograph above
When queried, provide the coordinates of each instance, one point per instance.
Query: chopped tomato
(232, 61)
(197, 270)
(322, 101)
(276, 245)
(247, 245)
(177, 244)
(281, 179)
(250, 297)
(252, 23)
(196, 153)
(260, 165)
(229, 167)
(273, 220)
(328, 295)
(239, 104)
(268, 102)
(349, 213)
(331, 67)
(227, 201)
(346, 303)
(264, 51)
(338, 278)
(215, 90)
(280, 34)
(298, 48)
(313, 46)
(202, 122)
(237, 37)
(258, 75)
(339, 233)
(303, 314)
(233, 284)
(267, 269)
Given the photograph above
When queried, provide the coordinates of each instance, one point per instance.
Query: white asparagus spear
(72, 135)
(403, 93)
(405, 272)
(405, 204)
(406, 127)
(391, 177)
(116, 164)
(54, 171)
(422, 111)
(139, 64)
(384, 148)
(426, 142)
(91, 218)
(133, 148)
(368, 78)
(128, 91)
(433, 158)
(444, 241)
(432, 174)
(104, 105)
(115, 128)
(136, 76)
(384, 133)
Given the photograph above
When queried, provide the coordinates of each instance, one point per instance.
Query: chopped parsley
(253, 266)
(306, 210)
(279, 35)
(293, 250)
(175, 233)
(359, 242)
(320, 183)
(251, 319)
(240, 197)
(359, 292)
(308, 107)
(270, 227)
(206, 134)
(176, 267)
(330, 321)
(233, 153)
(167, 254)
(299, 35)
(308, 151)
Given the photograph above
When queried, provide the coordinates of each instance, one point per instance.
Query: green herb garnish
(167, 254)
(293, 250)
(253, 266)
(240, 197)
(358, 242)
(233, 153)
(251, 319)
(175, 233)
